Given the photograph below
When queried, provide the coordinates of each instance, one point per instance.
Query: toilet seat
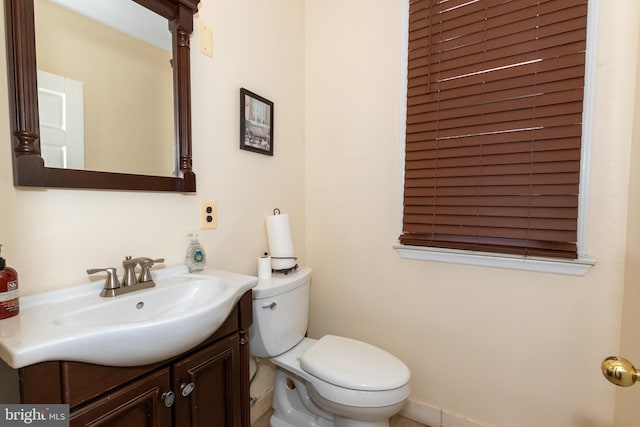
(353, 364)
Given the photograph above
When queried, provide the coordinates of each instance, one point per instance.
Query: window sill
(578, 267)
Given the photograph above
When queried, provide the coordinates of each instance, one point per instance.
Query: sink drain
(140, 305)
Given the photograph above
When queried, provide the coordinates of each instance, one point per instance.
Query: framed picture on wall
(256, 123)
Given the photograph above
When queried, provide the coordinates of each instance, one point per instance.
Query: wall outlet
(208, 215)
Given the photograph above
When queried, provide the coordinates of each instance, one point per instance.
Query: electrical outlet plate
(205, 39)
(208, 215)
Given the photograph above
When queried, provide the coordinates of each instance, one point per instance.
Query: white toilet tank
(280, 312)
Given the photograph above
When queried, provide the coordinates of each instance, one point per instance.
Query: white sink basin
(133, 329)
(164, 303)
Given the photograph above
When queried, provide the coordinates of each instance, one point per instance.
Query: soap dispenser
(9, 304)
(195, 259)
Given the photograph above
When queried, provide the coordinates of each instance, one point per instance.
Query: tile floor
(396, 421)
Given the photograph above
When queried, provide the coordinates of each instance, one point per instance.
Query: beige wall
(505, 348)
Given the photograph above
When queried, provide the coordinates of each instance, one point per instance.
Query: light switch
(205, 38)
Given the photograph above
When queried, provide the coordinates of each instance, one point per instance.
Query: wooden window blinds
(494, 122)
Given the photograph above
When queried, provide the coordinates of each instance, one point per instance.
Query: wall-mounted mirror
(129, 93)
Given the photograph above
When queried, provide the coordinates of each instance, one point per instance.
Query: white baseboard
(433, 416)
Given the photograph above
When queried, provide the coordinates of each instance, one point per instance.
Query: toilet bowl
(373, 386)
(332, 381)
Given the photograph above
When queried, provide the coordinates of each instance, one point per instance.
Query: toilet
(330, 382)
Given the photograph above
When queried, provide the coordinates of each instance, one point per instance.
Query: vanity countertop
(77, 324)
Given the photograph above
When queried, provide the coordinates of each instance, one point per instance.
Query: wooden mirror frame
(28, 165)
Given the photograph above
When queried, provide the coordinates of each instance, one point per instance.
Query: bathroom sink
(133, 329)
(161, 303)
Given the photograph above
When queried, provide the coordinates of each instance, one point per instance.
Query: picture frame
(256, 123)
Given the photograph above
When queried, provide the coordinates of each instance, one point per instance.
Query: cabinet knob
(168, 398)
(187, 388)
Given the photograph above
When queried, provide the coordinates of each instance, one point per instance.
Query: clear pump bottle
(195, 258)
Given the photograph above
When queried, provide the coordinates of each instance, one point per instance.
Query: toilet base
(344, 422)
(277, 422)
(293, 407)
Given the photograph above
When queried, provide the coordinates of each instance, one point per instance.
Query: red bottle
(9, 304)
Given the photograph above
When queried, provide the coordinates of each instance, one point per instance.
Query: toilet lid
(352, 364)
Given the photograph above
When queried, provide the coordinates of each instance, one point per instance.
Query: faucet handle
(146, 264)
(111, 283)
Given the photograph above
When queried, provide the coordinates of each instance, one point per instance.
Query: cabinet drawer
(82, 381)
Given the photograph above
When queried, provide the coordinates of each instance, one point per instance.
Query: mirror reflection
(105, 97)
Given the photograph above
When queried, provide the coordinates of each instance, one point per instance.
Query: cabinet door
(139, 404)
(215, 375)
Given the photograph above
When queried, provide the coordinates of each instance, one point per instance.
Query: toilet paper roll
(264, 267)
(280, 242)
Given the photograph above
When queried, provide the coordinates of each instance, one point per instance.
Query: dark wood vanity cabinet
(210, 384)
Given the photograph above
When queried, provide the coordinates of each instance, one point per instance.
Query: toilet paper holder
(285, 270)
(280, 242)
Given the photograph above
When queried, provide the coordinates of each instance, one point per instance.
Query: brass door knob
(619, 371)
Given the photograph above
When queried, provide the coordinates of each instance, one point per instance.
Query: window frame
(577, 267)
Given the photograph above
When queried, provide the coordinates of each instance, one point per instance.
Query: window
(494, 125)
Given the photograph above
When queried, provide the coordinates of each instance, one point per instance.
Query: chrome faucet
(130, 283)
(129, 266)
